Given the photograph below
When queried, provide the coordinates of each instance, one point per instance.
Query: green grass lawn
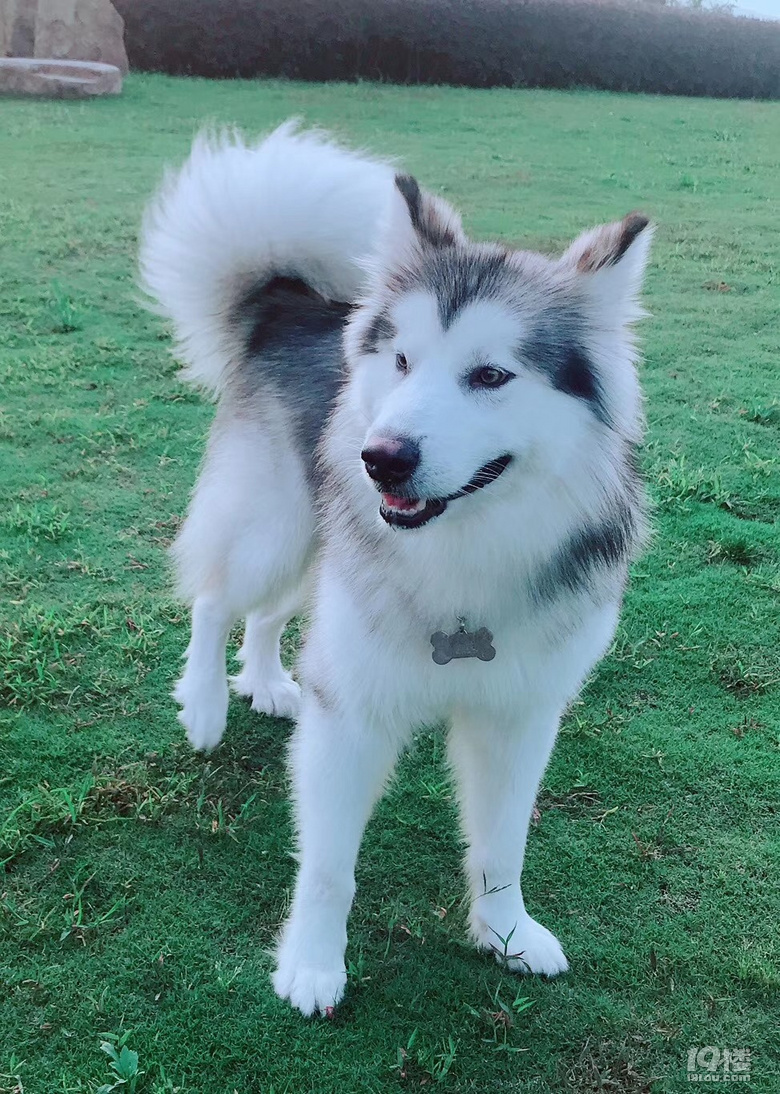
(141, 885)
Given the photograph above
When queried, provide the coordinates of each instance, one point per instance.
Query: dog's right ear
(609, 261)
(417, 221)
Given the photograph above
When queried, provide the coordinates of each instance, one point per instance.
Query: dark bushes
(476, 43)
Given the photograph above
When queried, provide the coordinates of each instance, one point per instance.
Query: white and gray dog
(429, 441)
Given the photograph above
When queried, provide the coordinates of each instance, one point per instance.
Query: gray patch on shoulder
(597, 552)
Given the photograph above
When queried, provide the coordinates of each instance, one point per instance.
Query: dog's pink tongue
(392, 502)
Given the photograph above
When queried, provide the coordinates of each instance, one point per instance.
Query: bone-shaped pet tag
(463, 643)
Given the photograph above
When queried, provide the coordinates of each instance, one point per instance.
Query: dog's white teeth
(410, 506)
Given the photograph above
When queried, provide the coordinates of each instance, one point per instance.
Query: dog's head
(470, 362)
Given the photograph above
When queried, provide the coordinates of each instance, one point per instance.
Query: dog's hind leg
(263, 678)
(202, 690)
(243, 552)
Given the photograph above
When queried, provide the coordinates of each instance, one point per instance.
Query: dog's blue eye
(401, 363)
(489, 376)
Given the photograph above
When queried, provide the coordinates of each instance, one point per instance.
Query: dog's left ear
(611, 262)
(434, 221)
(417, 221)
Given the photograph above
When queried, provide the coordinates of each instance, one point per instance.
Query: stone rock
(80, 30)
(74, 30)
(17, 27)
(56, 79)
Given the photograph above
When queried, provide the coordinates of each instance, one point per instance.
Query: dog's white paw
(308, 988)
(525, 946)
(310, 970)
(279, 696)
(204, 710)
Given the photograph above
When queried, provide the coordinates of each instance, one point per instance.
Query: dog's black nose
(390, 461)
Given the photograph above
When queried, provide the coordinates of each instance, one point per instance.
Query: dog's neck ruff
(404, 512)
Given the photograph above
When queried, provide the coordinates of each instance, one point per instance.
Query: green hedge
(474, 43)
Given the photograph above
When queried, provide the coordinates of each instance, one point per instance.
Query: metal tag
(463, 643)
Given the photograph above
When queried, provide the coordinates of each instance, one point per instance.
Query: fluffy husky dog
(441, 433)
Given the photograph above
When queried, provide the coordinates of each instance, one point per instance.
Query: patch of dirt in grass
(747, 725)
(679, 902)
(607, 1066)
(768, 416)
(89, 654)
(220, 797)
(736, 551)
(580, 801)
(765, 508)
(744, 671)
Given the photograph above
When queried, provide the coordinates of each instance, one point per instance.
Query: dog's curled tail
(235, 216)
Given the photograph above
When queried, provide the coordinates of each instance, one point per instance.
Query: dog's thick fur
(334, 307)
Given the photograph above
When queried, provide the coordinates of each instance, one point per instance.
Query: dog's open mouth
(405, 512)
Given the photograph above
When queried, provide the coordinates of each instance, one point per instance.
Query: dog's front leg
(498, 763)
(339, 765)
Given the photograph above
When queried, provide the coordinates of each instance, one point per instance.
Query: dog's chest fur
(383, 593)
